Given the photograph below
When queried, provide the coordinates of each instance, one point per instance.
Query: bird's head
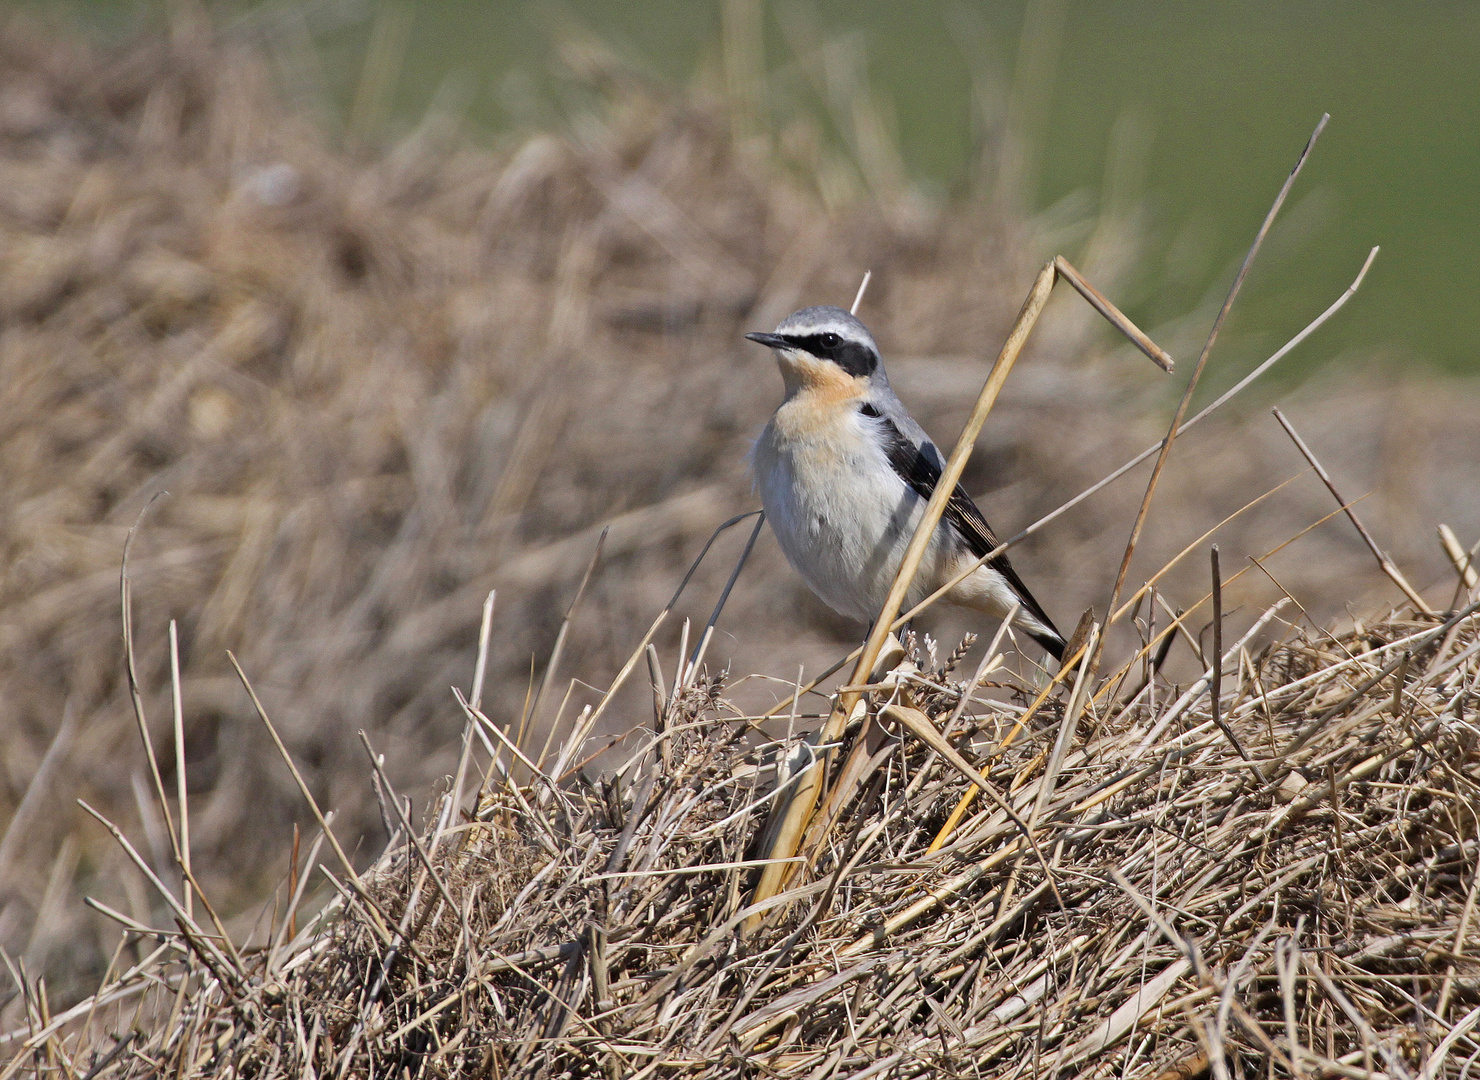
(824, 348)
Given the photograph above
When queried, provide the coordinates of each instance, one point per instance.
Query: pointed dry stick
(1217, 667)
(1153, 664)
(180, 784)
(553, 663)
(1202, 361)
(485, 631)
(378, 921)
(1383, 561)
(724, 598)
(455, 796)
(681, 664)
(126, 602)
(862, 288)
(1216, 689)
(660, 706)
(1159, 356)
(285, 928)
(1463, 564)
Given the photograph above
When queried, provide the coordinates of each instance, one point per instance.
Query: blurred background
(402, 303)
(1184, 110)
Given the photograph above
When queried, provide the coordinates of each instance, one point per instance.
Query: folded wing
(919, 467)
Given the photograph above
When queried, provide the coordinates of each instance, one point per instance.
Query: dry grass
(1307, 910)
(379, 384)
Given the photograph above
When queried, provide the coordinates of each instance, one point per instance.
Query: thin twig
(381, 926)
(180, 779)
(1215, 702)
(1387, 565)
(1202, 360)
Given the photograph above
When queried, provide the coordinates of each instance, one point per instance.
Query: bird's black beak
(774, 341)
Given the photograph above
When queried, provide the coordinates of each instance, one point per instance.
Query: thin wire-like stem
(1202, 361)
(126, 595)
(558, 649)
(724, 598)
(177, 702)
(1388, 566)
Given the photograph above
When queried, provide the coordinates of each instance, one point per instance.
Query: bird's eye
(830, 341)
(868, 410)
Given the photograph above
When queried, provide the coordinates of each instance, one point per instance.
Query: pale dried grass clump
(1305, 910)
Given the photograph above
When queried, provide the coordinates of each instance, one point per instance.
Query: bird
(843, 473)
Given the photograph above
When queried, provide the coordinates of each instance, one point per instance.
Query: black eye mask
(853, 357)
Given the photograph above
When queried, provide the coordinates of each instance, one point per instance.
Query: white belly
(841, 514)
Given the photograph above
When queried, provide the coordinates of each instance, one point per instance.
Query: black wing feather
(921, 472)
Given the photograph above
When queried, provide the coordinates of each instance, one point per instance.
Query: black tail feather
(1050, 641)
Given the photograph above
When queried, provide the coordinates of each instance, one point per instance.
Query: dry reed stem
(1202, 360)
(501, 975)
(1388, 566)
(1463, 560)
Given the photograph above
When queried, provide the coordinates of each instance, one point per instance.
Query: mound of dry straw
(1286, 888)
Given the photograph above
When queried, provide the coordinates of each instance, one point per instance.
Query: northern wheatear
(844, 473)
